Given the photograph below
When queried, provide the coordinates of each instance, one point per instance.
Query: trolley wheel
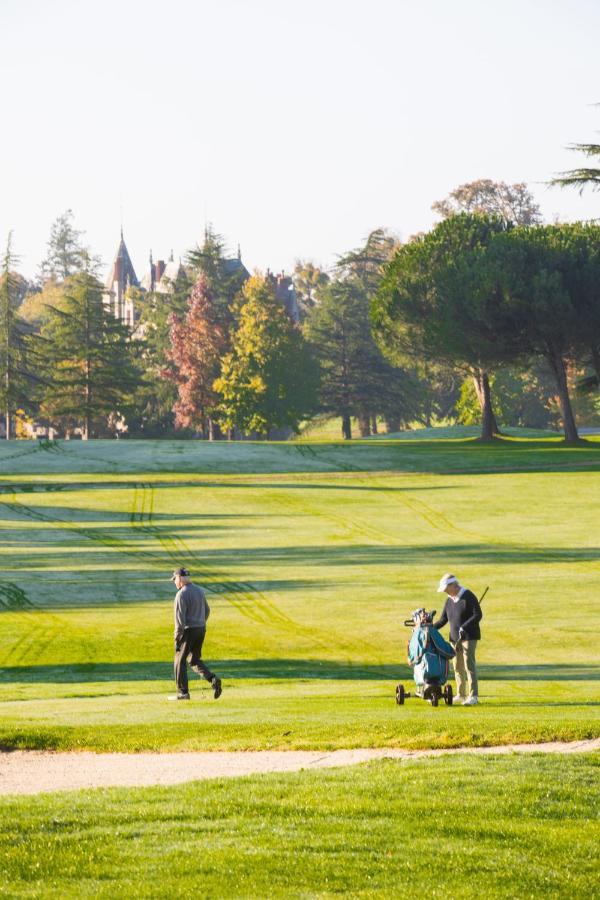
(434, 699)
(400, 694)
(448, 698)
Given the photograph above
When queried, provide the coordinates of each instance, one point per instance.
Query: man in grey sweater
(191, 612)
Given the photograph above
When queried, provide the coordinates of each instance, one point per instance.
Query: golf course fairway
(312, 555)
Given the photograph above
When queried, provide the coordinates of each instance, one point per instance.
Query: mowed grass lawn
(312, 556)
(510, 827)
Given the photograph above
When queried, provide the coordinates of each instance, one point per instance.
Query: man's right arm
(442, 619)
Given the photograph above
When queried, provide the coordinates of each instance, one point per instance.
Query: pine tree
(17, 345)
(269, 378)
(365, 265)
(155, 396)
(197, 342)
(357, 381)
(66, 254)
(90, 371)
(224, 281)
(583, 176)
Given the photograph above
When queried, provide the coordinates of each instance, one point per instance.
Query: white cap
(445, 580)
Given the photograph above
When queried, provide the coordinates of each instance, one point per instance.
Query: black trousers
(190, 647)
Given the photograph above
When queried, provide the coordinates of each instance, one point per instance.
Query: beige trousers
(465, 670)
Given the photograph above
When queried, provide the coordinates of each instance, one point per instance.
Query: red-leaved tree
(197, 344)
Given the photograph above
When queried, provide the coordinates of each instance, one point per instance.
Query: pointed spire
(239, 252)
(122, 268)
(171, 256)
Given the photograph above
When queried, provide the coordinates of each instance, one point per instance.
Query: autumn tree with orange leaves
(197, 344)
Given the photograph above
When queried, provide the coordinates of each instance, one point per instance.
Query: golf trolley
(428, 655)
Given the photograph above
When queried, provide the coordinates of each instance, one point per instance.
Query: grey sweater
(191, 608)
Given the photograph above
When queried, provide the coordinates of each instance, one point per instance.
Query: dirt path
(34, 772)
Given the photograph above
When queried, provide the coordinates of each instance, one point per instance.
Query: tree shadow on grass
(58, 590)
(282, 669)
(542, 672)
(42, 487)
(36, 550)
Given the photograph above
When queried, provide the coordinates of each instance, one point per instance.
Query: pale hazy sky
(295, 126)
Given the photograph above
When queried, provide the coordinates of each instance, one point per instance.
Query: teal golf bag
(429, 655)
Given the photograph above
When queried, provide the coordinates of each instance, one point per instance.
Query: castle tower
(121, 277)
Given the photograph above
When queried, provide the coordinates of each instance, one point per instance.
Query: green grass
(496, 827)
(312, 555)
(324, 428)
(449, 453)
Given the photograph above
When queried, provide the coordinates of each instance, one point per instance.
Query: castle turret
(121, 277)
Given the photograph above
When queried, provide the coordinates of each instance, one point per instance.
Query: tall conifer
(89, 357)
(17, 346)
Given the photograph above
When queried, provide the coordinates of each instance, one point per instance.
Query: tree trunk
(557, 364)
(7, 389)
(88, 401)
(596, 362)
(392, 424)
(374, 425)
(346, 428)
(489, 426)
(364, 424)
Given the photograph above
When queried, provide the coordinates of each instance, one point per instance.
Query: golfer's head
(180, 576)
(449, 584)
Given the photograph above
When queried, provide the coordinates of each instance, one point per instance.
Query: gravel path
(34, 772)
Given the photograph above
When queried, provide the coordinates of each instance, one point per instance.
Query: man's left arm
(475, 610)
(179, 618)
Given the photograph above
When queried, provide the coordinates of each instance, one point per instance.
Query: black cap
(181, 571)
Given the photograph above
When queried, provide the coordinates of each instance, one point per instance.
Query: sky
(295, 127)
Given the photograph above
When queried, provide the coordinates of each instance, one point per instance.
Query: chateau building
(161, 277)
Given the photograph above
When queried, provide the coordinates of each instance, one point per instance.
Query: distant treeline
(490, 317)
